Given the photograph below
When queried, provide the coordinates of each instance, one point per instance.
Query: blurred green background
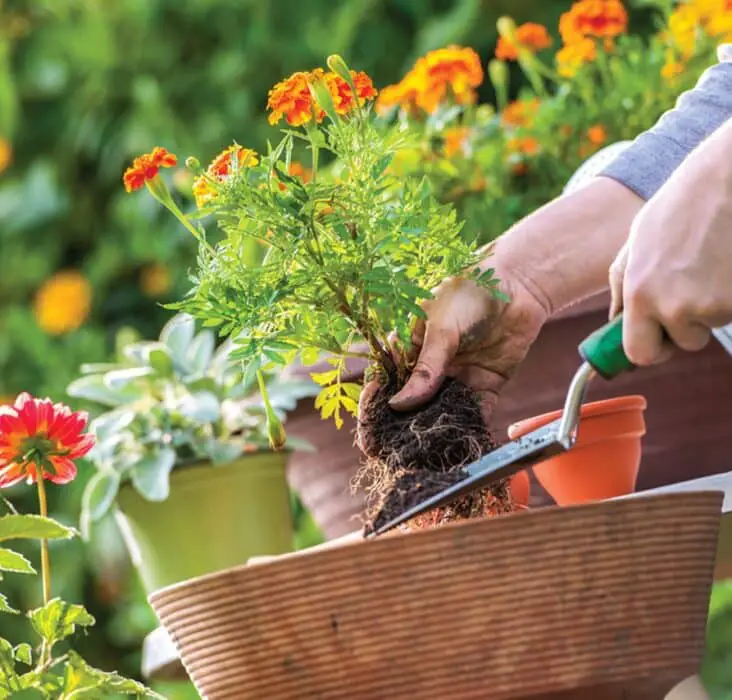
(85, 85)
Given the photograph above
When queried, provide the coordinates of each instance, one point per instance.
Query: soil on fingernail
(414, 454)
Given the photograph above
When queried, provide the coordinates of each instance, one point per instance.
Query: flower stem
(45, 560)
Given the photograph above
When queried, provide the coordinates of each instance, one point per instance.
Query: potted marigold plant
(349, 257)
(39, 443)
(184, 446)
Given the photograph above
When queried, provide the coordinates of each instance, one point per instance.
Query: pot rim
(593, 409)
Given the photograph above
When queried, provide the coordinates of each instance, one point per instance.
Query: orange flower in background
(155, 280)
(63, 302)
(6, 155)
(597, 135)
(204, 187)
(455, 140)
(291, 99)
(604, 19)
(531, 36)
(573, 56)
(671, 69)
(720, 26)
(342, 94)
(40, 439)
(146, 167)
(297, 169)
(524, 145)
(520, 112)
(453, 71)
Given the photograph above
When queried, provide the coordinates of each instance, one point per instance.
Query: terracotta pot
(687, 418)
(616, 594)
(520, 487)
(605, 459)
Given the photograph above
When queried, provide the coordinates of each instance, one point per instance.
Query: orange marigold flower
(6, 155)
(40, 439)
(297, 169)
(204, 187)
(604, 19)
(520, 112)
(291, 99)
(455, 139)
(342, 94)
(531, 36)
(524, 145)
(597, 135)
(146, 167)
(155, 280)
(573, 56)
(671, 69)
(454, 71)
(403, 94)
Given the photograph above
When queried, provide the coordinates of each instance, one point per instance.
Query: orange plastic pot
(520, 488)
(605, 460)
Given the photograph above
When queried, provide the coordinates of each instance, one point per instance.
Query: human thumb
(437, 352)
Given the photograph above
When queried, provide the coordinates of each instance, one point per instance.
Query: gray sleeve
(651, 159)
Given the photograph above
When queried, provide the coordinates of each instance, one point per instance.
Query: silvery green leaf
(177, 334)
(93, 388)
(110, 423)
(99, 494)
(159, 358)
(202, 407)
(120, 378)
(201, 351)
(151, 474)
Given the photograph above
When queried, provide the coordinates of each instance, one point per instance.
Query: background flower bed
(84, 86)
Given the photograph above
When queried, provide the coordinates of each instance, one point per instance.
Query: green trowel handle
(603, 349)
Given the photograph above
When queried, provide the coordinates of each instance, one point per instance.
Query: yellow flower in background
(204, 187)
(154, 280)
(6, 155)
(672, 67)
(684, 26)
(720, 26)
(573, 56)
(63, 302)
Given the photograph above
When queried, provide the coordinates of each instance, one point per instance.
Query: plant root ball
(412, 455)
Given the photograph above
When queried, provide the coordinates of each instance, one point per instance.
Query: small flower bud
(193, 164)
(339, 67)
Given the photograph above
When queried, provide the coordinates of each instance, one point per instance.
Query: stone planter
(613, 604)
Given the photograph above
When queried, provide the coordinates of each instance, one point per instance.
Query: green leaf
(310, 356)
(58, 619)
(151, 475)
(84, 682)
(161, 361)
(202, 407)
(99, 494)
(119, 379)
(17, 563)
(7, 665)
(93, 388)
(5, 606)
(15, 526)
(324, 378)
(177, 334)
(201, 352)
(24, 654)
(28, 694)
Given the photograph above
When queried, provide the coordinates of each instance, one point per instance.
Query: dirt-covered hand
(472, 336)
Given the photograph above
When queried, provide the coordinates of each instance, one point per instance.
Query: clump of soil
(412, 455)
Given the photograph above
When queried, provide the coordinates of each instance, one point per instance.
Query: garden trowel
(603, 355)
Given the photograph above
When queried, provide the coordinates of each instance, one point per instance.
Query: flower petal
(64, 470)
(12, 474)
(82, 446)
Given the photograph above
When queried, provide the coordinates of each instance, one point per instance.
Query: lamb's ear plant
(175, 401)
(350, 256)
(39, 442)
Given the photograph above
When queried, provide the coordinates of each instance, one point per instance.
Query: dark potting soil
(413, 455)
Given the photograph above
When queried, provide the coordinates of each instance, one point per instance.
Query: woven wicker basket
(607, 600)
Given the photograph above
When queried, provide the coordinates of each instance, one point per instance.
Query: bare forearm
(562, 252)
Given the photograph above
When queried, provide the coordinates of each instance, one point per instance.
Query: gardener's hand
(675, 271)
(472, 336)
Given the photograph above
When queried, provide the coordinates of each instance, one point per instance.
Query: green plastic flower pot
(215, 517)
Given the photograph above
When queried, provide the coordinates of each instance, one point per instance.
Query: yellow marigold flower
(402, 94)
(720, 26)
(597, 135)
(604, 19)
(707, 9)
(155, 280)
(455, 139)
(531, 36)
(671, 68)
(573, 56)
(63, 302)
(520, 112)
(6, 155)
(684, 26)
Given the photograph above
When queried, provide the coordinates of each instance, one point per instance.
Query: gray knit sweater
(651, 159)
